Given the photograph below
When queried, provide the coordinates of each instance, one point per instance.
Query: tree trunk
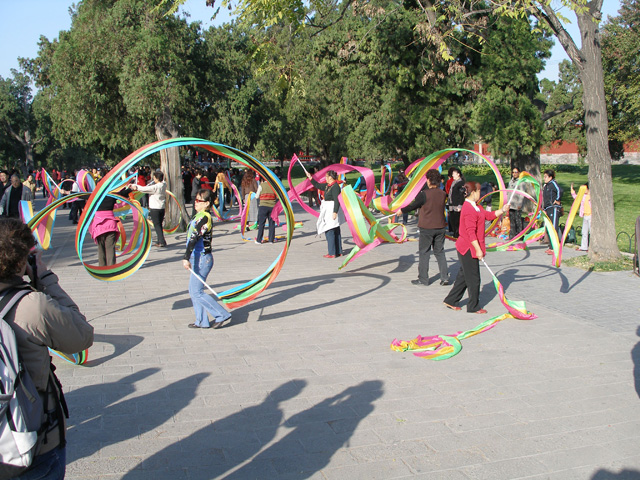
(528, 163)
(170, 166)
(603, 245)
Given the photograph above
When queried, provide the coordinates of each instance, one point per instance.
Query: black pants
(468, 278)
(157, 217)
(431, 238)
(454, 223)
(107, 248)
(515, 219)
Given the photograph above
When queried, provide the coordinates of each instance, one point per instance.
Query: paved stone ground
(303, 384)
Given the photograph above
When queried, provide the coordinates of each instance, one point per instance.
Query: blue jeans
(203, 303)
(48, 466)
(334, 241)
(264, 214)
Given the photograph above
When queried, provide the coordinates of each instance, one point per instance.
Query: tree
(18, 117)
(141, 79)
(621, 59)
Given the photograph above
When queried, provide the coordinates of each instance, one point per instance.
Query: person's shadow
(223, 444)
(635, 357)
(626, 474)
(318, 434)
(98, 423)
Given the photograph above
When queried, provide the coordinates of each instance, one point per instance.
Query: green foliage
(621, 63)
(505, 114)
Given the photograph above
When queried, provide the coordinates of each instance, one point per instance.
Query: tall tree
(621, 58)
(18, 117)
(139, 80)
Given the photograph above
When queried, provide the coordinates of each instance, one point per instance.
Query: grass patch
(583, 262)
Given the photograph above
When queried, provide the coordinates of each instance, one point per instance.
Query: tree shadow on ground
(102, 416)
(234, 447)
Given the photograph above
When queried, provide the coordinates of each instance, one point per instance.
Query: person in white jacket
(158, 191)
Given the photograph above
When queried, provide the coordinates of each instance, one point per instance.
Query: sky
(23, 21)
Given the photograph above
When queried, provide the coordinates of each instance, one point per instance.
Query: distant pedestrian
(10, 202)
(585, 213)
(551, 195)
(157, 199)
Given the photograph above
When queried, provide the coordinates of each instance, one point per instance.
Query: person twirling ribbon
(328, 221)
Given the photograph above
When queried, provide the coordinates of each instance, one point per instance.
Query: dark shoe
(193, 325)
(417, 281)
(452, 307)
(338, 255)
(220, 324)
(445, 282)
(161, 245)
(329, 256)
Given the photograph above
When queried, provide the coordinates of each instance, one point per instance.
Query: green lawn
(626, 193)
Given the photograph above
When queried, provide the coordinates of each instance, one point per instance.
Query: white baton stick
(485, 264)
(305, 170)
(204, 283)
(514, 191)
(388, 216)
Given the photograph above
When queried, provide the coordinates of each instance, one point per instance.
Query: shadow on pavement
(302, 286)
(625, 474)
(635, 357)
(101, 417)
(234, 447)
(121, 344)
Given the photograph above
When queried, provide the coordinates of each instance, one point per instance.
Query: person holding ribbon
(471, 249)
(328, 222)
(104, 229)
(198, 254)
(515, 211)
(456, 200)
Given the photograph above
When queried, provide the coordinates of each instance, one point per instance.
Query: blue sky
(23, 21)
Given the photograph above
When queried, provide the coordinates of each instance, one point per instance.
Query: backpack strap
(10, 297)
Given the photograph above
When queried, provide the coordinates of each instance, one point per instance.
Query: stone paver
(303, 384)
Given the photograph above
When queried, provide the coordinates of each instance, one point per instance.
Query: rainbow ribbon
(366, 230)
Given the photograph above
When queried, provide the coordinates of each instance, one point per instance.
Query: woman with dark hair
(104, 229)
(199, 258)
(157, 200)
(328, 222)
(471, 249)
(44, 317)
(456, 199)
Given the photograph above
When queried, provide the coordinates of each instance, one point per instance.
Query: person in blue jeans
(198, 257)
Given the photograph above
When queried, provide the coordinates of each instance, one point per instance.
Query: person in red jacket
(471, 249)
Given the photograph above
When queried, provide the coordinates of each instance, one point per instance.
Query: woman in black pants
(471, 249)
(329, 212)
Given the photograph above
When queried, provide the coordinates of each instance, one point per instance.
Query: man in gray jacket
(44, 318)
(9, 204)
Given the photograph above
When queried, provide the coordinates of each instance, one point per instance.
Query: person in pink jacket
(471, 249)
(585, 213)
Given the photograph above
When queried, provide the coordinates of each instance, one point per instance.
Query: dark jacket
(330, 193)
(431, 202)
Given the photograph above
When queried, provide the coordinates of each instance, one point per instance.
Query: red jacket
(472, 228)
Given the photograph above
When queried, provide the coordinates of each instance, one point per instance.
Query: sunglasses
(197, 200)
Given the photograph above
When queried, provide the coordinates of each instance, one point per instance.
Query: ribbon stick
(300, 161)
(204, 283)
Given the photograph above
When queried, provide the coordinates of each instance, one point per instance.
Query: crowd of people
(447, 205)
